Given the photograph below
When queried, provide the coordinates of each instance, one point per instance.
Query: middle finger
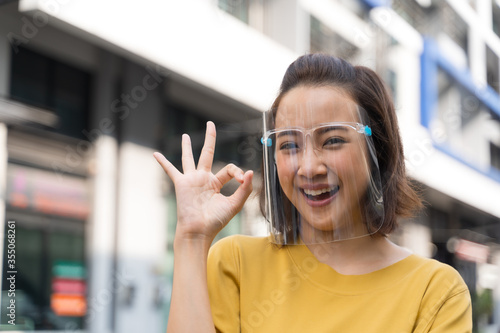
(207, 152)
(187, 154)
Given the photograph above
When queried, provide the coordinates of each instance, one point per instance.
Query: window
(323, 39)
(434, 20)
(492, 69)
(356, 7)
(237, 8)
(38, 250)
(495, 155)
(49, 211)
(50, 84)
(392, 80)
(460, 115)
(461, 120)
(496, 16)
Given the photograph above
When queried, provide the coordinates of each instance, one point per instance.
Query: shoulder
(435, 271)
(236, 255)
(238, 243)
(247, 251)
(235, 247)
(440, 284)
(445, 302)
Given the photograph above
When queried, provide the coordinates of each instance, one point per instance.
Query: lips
(319, 195)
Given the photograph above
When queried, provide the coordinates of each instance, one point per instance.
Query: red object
(470, 251)
(68, 286)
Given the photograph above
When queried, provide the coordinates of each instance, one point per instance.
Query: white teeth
(318, 192)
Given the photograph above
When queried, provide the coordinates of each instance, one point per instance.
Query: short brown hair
(368, 90)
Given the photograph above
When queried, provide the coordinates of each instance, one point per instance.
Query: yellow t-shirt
(254, 286)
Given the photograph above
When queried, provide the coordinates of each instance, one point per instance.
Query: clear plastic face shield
(322, 181)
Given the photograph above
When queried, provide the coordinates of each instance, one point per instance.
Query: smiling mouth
(320, 194)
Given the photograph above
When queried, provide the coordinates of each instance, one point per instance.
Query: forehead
(310, 106)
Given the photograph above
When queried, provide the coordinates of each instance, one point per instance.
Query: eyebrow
(321, 130)
(287, 132)
(331, 128)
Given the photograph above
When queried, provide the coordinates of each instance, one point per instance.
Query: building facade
(90, 89)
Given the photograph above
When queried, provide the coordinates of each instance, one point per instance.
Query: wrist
(192, 241)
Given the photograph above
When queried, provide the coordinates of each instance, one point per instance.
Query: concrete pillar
(477, 55)
(288, 23)
(142, 225)
(102, 222)
(484, 10)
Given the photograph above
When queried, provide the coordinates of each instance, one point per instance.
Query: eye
(288, 146)
(334, 142)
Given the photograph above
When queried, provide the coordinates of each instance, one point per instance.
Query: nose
(311, 164)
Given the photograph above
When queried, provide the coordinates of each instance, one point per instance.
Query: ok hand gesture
(202, 211)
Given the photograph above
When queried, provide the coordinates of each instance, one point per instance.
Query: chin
(322, 223)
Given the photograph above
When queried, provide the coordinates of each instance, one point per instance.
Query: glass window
(323, 39)
(495, 155)
(237, 8)
(50, 84)
(434, 20)
(463, 123)
(492, 69)
(37, 251)
(496, 17)
(356, 7)
(392, 80)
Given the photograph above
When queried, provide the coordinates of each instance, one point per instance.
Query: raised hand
(202, 211)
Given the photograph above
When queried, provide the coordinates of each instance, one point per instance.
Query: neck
(360, 255)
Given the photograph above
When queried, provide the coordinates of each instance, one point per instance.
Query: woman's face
(327, 176)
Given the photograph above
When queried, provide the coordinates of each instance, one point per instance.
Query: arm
(202, 212)
(190, 307)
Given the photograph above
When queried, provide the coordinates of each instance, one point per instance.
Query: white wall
(193, 38)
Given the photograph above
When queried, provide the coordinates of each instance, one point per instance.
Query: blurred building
(90, 89)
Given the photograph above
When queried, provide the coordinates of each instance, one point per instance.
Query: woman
(335, 184)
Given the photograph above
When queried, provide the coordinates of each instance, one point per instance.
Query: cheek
(359, 175)
(286, 174)
(353, 172)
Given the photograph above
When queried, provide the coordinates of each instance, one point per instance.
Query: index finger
(207, 152)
